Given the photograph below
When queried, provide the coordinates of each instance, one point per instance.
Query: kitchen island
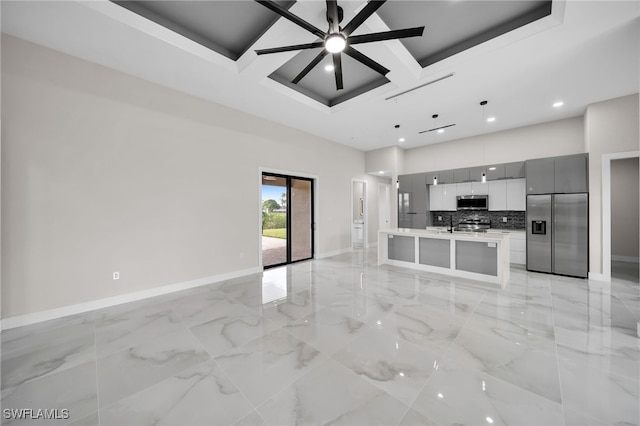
(473, 255)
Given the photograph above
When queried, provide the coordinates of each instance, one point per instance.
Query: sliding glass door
(287, 219)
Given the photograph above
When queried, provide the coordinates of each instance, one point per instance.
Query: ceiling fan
(336, 39)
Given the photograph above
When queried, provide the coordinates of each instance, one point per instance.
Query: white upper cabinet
(497, 195)
(435, 197)
(480, 188)
(465, 188)
(516, 194)
(449, 193)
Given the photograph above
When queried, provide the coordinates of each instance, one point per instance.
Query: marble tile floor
(340, 341)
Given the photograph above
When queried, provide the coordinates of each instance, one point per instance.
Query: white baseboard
(597, 277)
(333, 253)
(49, 314)
(629, 259)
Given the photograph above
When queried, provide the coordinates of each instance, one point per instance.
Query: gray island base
(473, 255)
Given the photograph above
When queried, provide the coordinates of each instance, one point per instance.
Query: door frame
(606, 207)
(315, 185)
(365, 238)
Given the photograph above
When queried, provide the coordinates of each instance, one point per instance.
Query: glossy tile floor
(341, 341)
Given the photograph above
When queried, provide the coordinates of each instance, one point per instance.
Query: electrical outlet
(504, 219)
(116, 275)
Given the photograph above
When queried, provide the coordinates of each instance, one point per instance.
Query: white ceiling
(584, 52)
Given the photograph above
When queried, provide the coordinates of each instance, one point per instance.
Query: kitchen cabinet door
(435, 197)
(475, 173)
(449, 194)
(497, 195)
(479, 188)
(514, 170)
(571, 174)
(461, 175)
(419, 189)
(404, 194)
(495, 171)
(516, 194)
(540, 176)
(464, 188)
(445, 176)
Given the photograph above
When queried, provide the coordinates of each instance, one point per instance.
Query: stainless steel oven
(472, 202)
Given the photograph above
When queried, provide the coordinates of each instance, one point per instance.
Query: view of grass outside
(274, 224)
(274, 216)
(275, 233)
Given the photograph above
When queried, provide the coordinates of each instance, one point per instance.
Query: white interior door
(384, 206)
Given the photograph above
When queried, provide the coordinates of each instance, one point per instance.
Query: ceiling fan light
(335, 43)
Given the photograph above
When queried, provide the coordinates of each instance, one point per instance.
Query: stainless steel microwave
(472, 202)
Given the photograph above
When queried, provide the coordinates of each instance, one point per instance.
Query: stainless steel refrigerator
(558, 234)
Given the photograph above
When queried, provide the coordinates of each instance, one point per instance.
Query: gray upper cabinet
(404, 183)
(461, 175)
(540, 176)
(430, 177)
(514, 170)
(475, 173)
(495, 171)
(412, 193)
(419, 189)
(571, 174)
(445, 176)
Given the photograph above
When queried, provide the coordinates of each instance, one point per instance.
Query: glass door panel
(274, 220)
(301, 207)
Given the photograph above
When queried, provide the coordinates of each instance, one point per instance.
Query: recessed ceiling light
(491, 119)
(329, 68)
(440, 130)
(558, 104)
(381, 172)
(401, 140)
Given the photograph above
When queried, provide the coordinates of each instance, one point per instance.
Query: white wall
(610, 126)
(103, 172)
(560, 137)
(624, 208)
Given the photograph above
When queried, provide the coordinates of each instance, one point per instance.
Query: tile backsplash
(515, 219)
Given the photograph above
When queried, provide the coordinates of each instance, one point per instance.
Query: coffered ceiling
(521, 56)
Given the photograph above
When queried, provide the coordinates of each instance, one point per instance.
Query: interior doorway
(287, 219)
(609, 215)
(625, 217)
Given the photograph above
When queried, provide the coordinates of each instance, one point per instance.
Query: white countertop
(457, 235)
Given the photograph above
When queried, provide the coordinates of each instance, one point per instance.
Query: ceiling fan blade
(309, 67)
(386, 35)
(290, 48)
(362, 16)
(337, 69)
(365, 60)
(332, 14)
(291, 17)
